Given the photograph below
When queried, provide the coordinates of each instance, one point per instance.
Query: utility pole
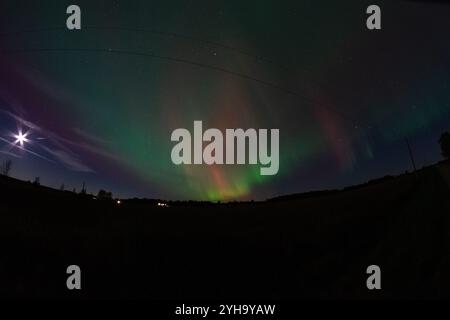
(411, 154)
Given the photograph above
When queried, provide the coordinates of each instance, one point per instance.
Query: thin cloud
(70, 161)
(11, 154)
(56, 145)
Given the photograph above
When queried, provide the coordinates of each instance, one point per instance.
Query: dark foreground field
(300, 247)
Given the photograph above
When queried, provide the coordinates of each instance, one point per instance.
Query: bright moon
(21, 138)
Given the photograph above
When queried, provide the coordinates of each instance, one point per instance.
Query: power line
(253, 56)
(156, 32)
(240, 51)
(411, 156)
(187, 62)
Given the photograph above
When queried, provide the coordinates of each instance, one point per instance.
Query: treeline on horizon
(102, 195)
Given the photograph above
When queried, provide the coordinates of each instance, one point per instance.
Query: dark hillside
(297, 247)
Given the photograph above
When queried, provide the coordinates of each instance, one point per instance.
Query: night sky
(99, 104)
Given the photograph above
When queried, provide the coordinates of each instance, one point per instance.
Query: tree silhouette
(444, 141)
(104, 195)
(83, 189)
(37, 181)
(6, 167)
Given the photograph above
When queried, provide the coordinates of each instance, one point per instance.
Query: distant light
(21, 138)
(118, 202)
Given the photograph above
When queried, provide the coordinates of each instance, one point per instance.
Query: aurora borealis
(100, 103)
